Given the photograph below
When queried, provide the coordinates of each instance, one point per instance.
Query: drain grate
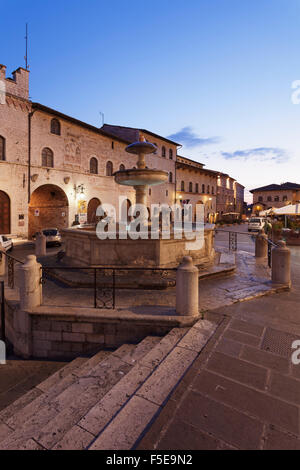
(278, 342)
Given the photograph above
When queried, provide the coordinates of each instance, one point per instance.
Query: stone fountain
(142, 177)
(83, 247)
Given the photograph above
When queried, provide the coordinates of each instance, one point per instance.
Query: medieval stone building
(55, 169)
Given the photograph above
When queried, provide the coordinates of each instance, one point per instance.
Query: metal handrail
(105, 294)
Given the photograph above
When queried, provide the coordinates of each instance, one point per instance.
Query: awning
(291, 209)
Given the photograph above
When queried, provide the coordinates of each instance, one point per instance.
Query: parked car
(256, 224)
(6, 243)
(53, 237)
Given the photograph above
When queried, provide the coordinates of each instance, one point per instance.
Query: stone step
(151, 352)
(50, 416)
(23, 409)
(36, 391)
(124, 431)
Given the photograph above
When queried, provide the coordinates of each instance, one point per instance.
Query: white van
(256, 224)
(6, 244)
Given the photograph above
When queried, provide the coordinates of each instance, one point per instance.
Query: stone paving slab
(127, 426)
(253, 402)
(221, 421)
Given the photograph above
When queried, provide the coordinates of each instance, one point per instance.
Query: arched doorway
(92, 209)
(48, 208)
(4, 213)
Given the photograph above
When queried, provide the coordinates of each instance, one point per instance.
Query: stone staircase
(107, 401)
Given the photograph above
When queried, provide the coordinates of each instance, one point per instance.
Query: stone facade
(275, 195)
(196, 185)
(225, 195)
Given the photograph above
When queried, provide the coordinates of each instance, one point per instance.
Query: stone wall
(84, 248)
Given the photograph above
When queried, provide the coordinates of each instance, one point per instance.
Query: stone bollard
(187, 288)
(2, 263)
(30, 285)
(281, 264)
(261, 245)
(40, 244)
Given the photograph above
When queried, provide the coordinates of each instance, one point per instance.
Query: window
(112, 145)
(191, 187)
(55, 127)
(284, 198)
(109, 169)
(163, 152)
(47, 157)
(269, 198)
(155, 149)
(203, 188)
(2, 148)
(260, 199)
(122, 167)
(170, 177)
(276, 198)
(197, 188)
(212, 190)
(94, 166)
(182, 185)
(208, 189)
(171, 154)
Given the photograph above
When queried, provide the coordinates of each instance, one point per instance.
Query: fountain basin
(84, 248)
(141, 177)
(142, 147)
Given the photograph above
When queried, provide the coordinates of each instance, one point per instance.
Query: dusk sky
(216, 75)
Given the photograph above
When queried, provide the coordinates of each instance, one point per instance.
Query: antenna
(102, 116)
(26, 48)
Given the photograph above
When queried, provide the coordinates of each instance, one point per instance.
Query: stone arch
(4, 213)
(48, 208)
(93, 205)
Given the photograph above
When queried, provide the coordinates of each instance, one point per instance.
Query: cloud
(261, 154)
(187, 137)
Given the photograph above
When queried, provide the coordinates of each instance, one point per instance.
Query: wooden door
(4, 213)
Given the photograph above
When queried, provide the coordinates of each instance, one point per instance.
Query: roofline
(205, 170)
(279, 188)
(190, 160)
(145, 130)
(54, 112)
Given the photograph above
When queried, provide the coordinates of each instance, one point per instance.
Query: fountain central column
(141, 195)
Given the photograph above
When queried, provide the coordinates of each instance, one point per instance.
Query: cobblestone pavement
(243, 392)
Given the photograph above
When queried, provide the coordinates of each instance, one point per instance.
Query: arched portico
(48, 208)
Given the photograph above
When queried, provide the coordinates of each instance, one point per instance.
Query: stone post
(281, 264)
(30, 285)
(261, 245)
(2, 263)
(187, 288)
(40, 244)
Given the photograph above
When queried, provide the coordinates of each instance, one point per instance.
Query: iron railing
(271, 245)
(233, 237)
(11, 261)
(105, 281)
